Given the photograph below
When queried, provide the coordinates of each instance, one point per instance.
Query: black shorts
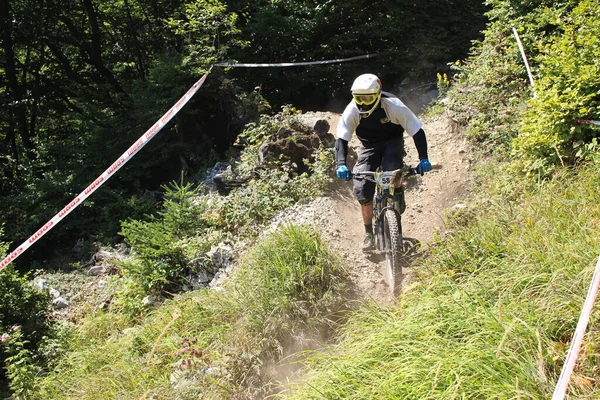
(388, 155)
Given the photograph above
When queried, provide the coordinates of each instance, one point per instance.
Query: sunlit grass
(489, 316)
(492, 311)
(210, 344)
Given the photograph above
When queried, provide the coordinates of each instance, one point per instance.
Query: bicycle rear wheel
(392, 246)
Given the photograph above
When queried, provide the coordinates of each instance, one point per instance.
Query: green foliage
(3, 245)
(161, 255)
(24, 321)
(255, 134)
(292, 274)
(168, 243)
(207, 30)
(497, 305)
(493, 96)
(82, 83)
(568, 89)
(491, 312)
(270, 189)
(312, 30)
(19, 361)
(22, 305)
(88, 82)
(490, 89)
(211, 344)
(245, 209)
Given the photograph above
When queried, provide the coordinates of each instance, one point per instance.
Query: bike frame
(386, 198)
(387, 218)
(386, 195)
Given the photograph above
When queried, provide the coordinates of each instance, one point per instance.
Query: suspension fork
(381, 206)
(378, 221)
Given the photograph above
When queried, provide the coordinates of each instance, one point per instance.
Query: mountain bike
(387, 221)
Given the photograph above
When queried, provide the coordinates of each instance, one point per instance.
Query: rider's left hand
(424, 166)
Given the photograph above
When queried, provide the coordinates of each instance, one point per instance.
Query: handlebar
(408, 170)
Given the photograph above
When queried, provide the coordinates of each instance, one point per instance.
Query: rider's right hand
(423, 166)
(343, 172)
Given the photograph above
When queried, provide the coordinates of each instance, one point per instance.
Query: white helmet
(366, 91)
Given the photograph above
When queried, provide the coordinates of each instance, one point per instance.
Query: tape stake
(296, 64)
(115, 166)
(565, 375)
(524, 56)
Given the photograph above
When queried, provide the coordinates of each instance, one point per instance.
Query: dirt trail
(427, 199)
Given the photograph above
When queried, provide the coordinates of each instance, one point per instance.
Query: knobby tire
(392, 246)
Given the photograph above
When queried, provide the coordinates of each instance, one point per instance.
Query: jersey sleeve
(348, 122)
(399, 113)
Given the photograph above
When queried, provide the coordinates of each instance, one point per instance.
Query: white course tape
(339, 60)
(565, 375)
(125, 157)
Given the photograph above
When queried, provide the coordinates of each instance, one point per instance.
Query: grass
(492, 311)
(210, 344)
(489, 316)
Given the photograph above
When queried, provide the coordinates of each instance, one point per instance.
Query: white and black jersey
(391, 119)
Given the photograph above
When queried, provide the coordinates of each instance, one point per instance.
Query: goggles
(365, 99)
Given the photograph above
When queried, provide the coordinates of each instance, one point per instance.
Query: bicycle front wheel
(392, 247)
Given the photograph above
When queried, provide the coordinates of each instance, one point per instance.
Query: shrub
(24, 321)
(486, 94)
(22, 305)
(161, 257)
(270, 189)
(566, 90)
(165, 244)
(291, 274)
(492, 87)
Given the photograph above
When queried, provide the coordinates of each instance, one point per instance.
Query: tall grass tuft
(290, 278)
(492, 311)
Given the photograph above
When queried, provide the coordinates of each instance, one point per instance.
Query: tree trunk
(95, 52)
(17, 92)
(140, 63)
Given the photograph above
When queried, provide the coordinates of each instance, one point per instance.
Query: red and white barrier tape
(141, 142)
(565, 375)
(339, 60)
(125, 157)
(587, 121)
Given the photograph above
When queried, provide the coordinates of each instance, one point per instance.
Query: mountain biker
(379, 120)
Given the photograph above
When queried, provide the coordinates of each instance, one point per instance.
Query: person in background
(379, 120)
